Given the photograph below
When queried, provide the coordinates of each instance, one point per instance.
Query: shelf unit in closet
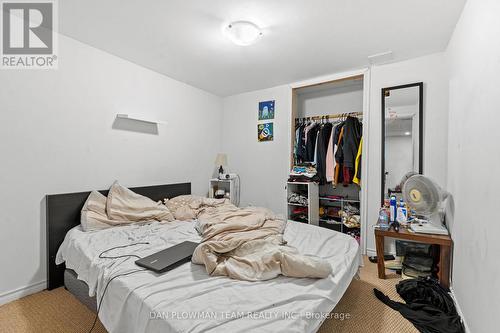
(311, 209)
(336, 223)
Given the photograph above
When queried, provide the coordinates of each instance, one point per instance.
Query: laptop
(169, 258)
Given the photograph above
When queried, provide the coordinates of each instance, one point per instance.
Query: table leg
(444, 266)
(379, 241)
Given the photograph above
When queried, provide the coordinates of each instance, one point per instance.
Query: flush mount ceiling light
(242, 32)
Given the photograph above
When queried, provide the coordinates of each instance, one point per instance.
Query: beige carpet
(58, 311)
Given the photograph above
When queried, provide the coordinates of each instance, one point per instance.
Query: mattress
(187, 299)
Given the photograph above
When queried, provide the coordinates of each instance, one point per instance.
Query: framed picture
(266, 110)
(265, 132)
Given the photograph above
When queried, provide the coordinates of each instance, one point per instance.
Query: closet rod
(339, 115)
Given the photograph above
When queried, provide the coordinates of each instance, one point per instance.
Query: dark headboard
(63, 213)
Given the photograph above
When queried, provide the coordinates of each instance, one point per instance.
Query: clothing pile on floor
(335, 149)
(429, 307)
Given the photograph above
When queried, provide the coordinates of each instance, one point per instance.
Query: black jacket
(311, 143)
(353, 130)
(428, 306)
(301, 149)
(323, 141)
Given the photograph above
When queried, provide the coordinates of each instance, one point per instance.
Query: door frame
(365, 73)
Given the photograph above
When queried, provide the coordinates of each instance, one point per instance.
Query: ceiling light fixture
(242, 33)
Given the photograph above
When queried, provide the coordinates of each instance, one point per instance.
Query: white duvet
(187, 299)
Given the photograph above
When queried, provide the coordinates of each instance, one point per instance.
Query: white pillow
(123, 204)
(93, 216)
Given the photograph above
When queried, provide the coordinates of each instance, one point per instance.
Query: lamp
(221, 160)
(242, 33)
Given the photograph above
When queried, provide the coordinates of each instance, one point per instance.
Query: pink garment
(330, 160)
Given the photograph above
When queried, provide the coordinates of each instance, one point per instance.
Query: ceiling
(302, 39)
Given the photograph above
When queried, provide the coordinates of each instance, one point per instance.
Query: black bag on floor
(418, 263)
(428, 306)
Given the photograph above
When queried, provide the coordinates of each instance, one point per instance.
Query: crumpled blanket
(247, 244)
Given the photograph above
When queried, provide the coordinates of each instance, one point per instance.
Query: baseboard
(459, 310)
(21, 292)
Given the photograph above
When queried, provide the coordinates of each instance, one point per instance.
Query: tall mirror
(402, 135)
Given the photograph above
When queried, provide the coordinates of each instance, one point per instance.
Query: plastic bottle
(383, 219)
(402, 213)
(393, 208)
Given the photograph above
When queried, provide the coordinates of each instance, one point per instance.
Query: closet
(326, 152)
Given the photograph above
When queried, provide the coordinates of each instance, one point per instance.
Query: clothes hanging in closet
(330, 154)
(335, 149)
(339, 154)
(299, 145)
(311, 136)
(353, 130)
(347, 150)
(324, 134)
(357, 167)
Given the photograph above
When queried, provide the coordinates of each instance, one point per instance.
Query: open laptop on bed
(169, 258)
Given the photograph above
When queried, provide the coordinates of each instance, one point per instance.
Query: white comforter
(187, 299)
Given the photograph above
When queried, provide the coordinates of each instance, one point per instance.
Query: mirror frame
(420, 86)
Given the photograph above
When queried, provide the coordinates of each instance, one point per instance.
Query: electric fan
(425, 197)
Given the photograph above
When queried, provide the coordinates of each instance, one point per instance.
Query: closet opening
(326, 178)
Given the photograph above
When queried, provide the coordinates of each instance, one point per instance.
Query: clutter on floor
(429, 307)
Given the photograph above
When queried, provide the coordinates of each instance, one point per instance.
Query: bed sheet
(187, 299)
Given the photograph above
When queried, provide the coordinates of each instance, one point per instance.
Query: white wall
(331, 101)
(473, 160)
(262, 166)
(56, 136)
(430, 70)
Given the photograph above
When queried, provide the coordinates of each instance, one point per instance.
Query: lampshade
(242, 33)
(221, 159)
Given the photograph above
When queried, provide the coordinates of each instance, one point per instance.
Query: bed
(187, 299)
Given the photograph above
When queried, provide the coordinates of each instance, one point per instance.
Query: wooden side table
(445, 244)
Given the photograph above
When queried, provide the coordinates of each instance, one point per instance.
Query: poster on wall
(265, 132)
(266, 110)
